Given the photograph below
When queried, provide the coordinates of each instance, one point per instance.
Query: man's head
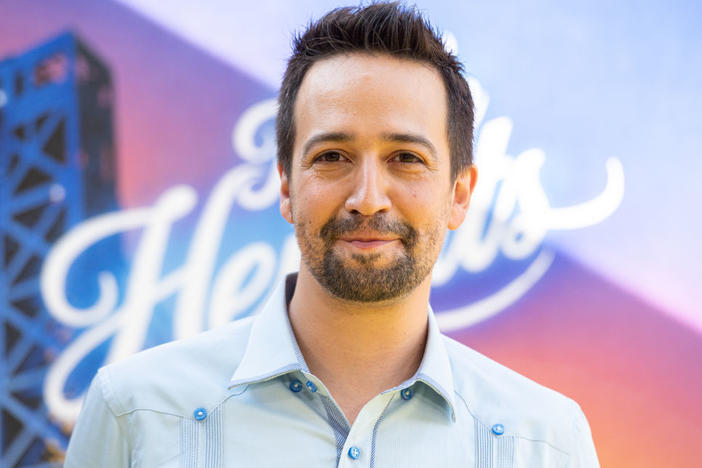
(371, 183)
(380, 28)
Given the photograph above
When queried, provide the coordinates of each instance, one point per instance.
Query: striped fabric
(188, 443)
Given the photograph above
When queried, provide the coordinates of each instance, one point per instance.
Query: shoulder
(495, 394)
(173, 377)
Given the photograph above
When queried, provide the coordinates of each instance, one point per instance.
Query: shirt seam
(110, 398)
(579, 421)
(517, 436)
(169, 413)
(109, 395)
(545, 442)
(231, 395)
(134, 410)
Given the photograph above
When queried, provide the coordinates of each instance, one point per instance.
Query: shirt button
(200, 414)
(498, 429)
(311, 386)
(295, 385)
(406, 393)
(354, 452)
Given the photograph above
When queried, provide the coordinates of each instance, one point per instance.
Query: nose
(370, 192)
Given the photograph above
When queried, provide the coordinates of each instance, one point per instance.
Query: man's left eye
(407, 158)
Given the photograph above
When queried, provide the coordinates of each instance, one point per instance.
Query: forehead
(368, 95)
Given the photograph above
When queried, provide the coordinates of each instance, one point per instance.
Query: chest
(271, 428)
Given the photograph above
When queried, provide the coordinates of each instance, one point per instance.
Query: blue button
(311, 386)
(295, 385)
(354, 452)
(200, 414)
(407, 393)
(498, 429)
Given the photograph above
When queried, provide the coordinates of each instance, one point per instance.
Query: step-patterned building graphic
(56, 169)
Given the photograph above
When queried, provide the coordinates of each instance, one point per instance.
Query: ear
(462, 191)
(285, 208)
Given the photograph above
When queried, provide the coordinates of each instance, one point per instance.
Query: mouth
(361, 235)
(369, 244)
(368, 241)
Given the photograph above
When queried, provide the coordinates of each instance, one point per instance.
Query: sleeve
(583, 454)
(99, 438)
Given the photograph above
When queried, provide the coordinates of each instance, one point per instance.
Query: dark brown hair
(385, 28)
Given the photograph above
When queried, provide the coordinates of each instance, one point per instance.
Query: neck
(358, 349)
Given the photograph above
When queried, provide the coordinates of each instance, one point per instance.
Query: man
(345, 366)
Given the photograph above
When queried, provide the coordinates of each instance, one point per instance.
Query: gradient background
(615, 322)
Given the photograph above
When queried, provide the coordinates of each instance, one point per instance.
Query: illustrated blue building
(57, 168)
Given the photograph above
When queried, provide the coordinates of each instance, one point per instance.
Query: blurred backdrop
(138, 200)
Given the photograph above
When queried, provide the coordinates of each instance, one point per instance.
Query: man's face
(370, 193)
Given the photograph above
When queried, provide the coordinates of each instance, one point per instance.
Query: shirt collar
(435, 370)
(273, 351)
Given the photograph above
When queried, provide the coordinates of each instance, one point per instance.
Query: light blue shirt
(242, 395)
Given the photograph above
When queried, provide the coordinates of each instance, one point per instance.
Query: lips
(365, 233)
(370, 243)
(368, 240)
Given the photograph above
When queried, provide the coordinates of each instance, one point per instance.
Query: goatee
(365, 282)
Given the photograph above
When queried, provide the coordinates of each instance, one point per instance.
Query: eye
(330, 156)
(406, 157)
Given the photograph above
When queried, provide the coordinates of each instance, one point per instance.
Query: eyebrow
(341, 137)
(331, 137)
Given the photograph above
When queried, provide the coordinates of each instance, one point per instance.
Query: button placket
(357, 448)
(354, 452)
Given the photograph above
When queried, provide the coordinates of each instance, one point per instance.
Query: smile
(368, 243)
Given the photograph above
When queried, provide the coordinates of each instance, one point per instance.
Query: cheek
(313, 205)
(429, 213)
(420, 201)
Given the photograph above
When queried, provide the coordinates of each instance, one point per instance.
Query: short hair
(379, 28)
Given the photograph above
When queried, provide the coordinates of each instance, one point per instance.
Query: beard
(366, 281)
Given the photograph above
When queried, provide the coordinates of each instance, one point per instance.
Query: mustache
(378, 223)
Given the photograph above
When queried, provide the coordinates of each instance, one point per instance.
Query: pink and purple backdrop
(578, 265)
